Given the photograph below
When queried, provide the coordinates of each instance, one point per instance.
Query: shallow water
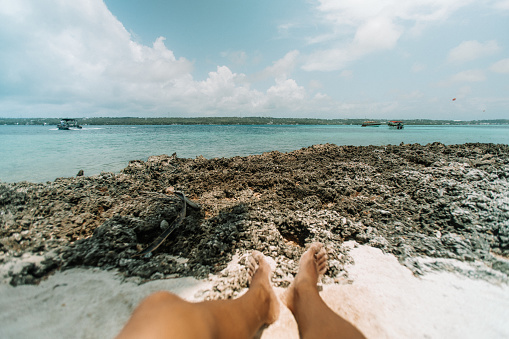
(42, 153)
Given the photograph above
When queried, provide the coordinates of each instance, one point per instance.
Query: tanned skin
(314, 318)
(165, 315)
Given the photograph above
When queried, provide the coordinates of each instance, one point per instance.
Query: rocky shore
(414, 200)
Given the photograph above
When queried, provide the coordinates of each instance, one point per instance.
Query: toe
(315, 247)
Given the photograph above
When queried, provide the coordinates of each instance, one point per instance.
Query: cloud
(321, 96)
(76, 56)
(221, 83)
(287, 89)
(501, 66)
(374, 35)
(284, 29)
(501, 5)
(378, 33)
(472, 50)
(357, 28)
(315, 84)
(285, 93)
(65, 50)
(473, 75)
(147, 65)
(418, 67)
(282, 68)
(469, 76)
(329, 60)
(237, 57)
(222, 91)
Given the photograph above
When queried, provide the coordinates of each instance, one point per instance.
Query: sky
(330, 59)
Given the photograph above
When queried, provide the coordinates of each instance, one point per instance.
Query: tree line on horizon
(235, 121)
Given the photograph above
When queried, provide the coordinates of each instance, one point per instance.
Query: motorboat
(67, 124)
(395, 124)
(371, 124)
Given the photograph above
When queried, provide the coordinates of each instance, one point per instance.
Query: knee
(162, 296)
(160, 305)
(160, 299)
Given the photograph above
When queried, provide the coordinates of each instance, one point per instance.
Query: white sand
(385, 301)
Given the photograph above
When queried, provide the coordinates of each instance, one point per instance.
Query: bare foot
(313, 264)
(259, 277)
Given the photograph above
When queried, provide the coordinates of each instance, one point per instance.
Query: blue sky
(382, 59)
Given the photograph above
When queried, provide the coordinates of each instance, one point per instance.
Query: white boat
(67, 124)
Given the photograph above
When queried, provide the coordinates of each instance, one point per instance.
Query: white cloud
(237, 57)
(378, 33)
(142, 64)
(321, 96)
(469, 76)
(11, 8)
(501, 66)
(220, 83)
(473, 75)
(374, 35)
(328, 59)
(284, 29)
(223, 91)
(360, 27)
(418, 67)
(315, 84)
(472, 50)
(287, 89)
(282, 68)
(76, 56)
(78, 49)
(501, 5)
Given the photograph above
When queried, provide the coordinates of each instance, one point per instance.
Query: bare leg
(165, 315)
(314, 318)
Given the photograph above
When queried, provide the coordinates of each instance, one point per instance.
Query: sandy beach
(382, 298)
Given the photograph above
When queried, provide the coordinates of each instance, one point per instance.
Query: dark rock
(410, 200)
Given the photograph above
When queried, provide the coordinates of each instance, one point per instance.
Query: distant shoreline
(238, 121)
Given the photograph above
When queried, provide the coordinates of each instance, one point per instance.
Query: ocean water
(43, 153)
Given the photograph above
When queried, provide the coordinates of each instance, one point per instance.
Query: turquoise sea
(43, 153)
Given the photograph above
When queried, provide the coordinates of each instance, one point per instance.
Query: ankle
(268, 307)
(298, 292)
(304, 287)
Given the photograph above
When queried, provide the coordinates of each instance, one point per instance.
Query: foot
(313, 264)
(259, 272)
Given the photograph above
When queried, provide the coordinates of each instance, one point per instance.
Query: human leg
(165, 315)
(314, 318)
(259, 306)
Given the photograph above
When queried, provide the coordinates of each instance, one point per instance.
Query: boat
(371, 124)
(67, 124)
(395, 124)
